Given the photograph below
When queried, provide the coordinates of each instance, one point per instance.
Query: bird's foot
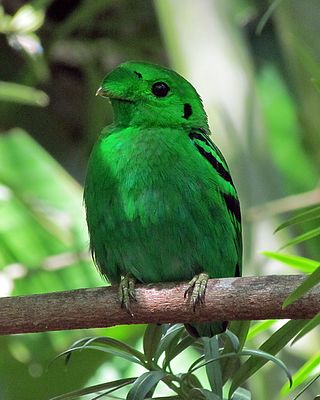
(127, 292)
(197, 289)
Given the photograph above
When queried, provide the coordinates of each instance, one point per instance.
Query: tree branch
(249, 298)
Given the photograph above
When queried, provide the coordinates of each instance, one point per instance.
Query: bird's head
(145, 94)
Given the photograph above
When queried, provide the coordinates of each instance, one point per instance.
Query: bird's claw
(197, 289)
(127, 292)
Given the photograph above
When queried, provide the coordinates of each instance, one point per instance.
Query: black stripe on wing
(210, 156)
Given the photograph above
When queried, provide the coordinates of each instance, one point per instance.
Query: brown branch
(249, 298)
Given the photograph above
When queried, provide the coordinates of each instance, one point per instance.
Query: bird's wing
(213, 155)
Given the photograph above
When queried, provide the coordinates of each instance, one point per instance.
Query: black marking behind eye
(138, 74)
(187, 110)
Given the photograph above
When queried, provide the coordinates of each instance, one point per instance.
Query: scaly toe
(197, 289)
(126, 292)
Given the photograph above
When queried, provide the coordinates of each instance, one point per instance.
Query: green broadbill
(161, 205)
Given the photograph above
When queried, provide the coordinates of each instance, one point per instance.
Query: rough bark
(247, 298)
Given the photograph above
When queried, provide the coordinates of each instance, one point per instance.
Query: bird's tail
(206, 329)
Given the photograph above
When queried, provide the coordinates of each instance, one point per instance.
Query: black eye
(160, 89)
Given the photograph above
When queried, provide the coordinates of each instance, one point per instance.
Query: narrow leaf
(213, 369)
(116, 344)
(151, 340)
(306, 387)
(194, 393)
(172, 333)
(311, 281)
(271, 346)
(16, 93)
(231, 364)
(309, 215)
(302, 238)
(241, 394)
(176, 350)
(260, 327)
(303, 374)
(144, 384)
(111, 351)
(94, 389)
(303, 264)
(314, 322)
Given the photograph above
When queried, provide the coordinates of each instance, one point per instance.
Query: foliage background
(259, 77)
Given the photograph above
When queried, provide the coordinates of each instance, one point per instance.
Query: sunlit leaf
(309, 215)
(314, 322)
(144, 384)
(301, 263)
(27, 19)
(259, 327)
(17, 93)
(311, 382)
(303, 374)
(311, 281)
(151, 339)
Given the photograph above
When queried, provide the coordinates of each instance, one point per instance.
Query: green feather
(160, 201)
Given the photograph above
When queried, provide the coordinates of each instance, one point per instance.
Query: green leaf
(271, 346)
(233, 339)
(151, 340)
(247, 352)
(314, 322)
(111, 351)
(94, 389)
(174, 332)
(116, 344)
(302, 238)
(27, 19)
(241, 394)
(206, 394)
(230, 365)
(260, 327)
(303, 374)
(309, 215)
(16, 93)
(213, 369)
(306, 387)
(176, 350)
(144, 384)
(303, 264)
(311, 281)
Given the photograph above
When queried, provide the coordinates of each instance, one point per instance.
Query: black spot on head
(187, 110)
(138, 74)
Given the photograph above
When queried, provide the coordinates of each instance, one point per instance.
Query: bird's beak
(101, 92)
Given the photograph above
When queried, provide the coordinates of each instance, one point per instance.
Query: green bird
(160, 202)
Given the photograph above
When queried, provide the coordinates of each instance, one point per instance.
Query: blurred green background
(256, 65)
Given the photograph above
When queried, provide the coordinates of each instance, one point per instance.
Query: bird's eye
(160, 89)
